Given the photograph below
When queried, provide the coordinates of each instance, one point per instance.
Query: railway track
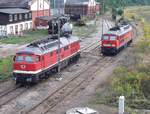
(91, 47)
(60, 94)
(11, 94)
(79, 81)
(8, 95)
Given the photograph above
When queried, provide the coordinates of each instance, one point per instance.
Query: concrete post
(121, 105)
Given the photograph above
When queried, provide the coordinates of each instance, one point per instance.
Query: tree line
(123, 3)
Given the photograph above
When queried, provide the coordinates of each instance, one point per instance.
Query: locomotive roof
(48, 45)
(120, 30)
(30, 50)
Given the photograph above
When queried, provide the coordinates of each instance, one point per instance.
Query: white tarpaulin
(81, 110)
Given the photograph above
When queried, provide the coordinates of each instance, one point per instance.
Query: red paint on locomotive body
(38, 59)
(116, 38)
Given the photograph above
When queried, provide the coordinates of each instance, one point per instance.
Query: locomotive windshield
(21, 58)
(112, 37)
(109, 37)
(29, 59)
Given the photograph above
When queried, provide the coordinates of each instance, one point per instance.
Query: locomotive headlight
(23, 66)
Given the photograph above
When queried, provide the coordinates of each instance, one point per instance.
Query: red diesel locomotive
(39, 59)
(116, 39)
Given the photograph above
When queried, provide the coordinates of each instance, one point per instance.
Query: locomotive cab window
(105, 38)
(37, 58)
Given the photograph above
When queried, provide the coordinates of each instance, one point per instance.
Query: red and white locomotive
(116, 39)
(39, 59)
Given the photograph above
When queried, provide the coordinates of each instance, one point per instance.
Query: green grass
(5, 68)
(144, 44)
(27, 38)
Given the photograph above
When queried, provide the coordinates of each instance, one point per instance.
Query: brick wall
(80, 9)
(84, 10)
(36, 14)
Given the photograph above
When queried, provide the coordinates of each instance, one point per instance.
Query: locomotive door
(42, 62)
(72, 46)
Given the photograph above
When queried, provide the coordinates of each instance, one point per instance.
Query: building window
(20, 16)
(16, 29)
(30, 25)
(10, 18)
(26, 26)
(15, 17)
(11, 30)
(26, 16)
(21, 27)
(30, 15)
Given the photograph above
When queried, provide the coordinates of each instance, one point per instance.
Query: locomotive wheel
(129, 42)
(17, 82)
(46, 76)
(36, 79)
(125, 45)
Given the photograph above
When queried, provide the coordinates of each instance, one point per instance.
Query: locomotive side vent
(115, 28)
(43, 42)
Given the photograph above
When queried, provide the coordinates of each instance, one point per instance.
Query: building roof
(14, 10)
(77, 2)
(14, 3)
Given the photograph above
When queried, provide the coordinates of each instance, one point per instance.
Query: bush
(145, 87)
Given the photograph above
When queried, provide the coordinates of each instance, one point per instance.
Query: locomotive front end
(26, 67)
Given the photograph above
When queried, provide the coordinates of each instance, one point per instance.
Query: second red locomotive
(39, 59)
(116, 39)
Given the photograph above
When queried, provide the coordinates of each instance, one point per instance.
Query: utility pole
(102, 16)
(59, 48)
(59, 51)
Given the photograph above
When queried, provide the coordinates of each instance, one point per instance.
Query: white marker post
(121, 105)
